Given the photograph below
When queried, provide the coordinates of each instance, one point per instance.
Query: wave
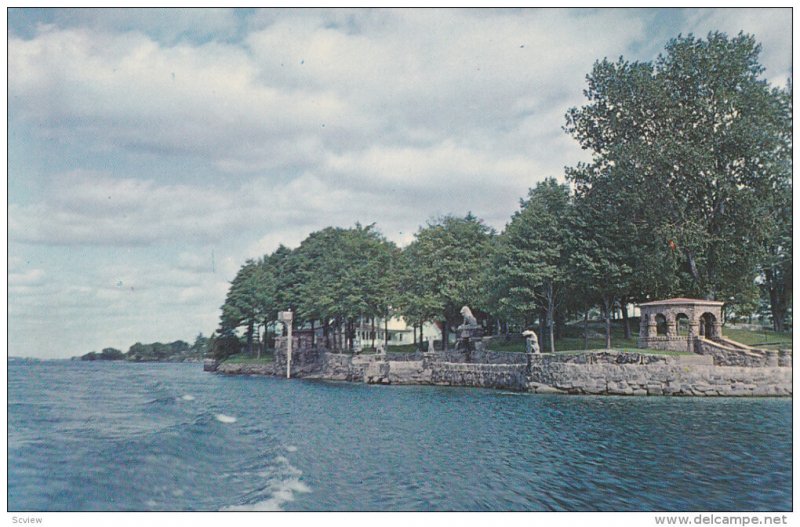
(227, 419)
(187, 397)
(162, 400)
(281, 490)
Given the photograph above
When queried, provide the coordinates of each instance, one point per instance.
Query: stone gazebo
(676, 323)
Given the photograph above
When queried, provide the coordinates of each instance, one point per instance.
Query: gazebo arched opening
(661, 325)
(682, 324)
(708, 326)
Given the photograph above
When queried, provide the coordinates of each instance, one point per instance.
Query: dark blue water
(116, 436)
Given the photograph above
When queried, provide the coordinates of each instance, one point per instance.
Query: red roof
(681, 301)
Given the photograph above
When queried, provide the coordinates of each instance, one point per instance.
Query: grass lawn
(246, 359)
(574, 341)
(760, 338)
(403, 348)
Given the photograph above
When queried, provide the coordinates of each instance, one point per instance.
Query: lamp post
(286, 318)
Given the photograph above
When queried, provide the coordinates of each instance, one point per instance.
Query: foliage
(336, 275)
(106, 354)
(532, 256)
(448, 266)
(224, 346)
(178, 350)
(692, 144)
(687, 194)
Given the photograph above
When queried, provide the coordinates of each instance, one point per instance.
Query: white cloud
(159, 137)
(26, 278)
(95, 208)
(772, 27)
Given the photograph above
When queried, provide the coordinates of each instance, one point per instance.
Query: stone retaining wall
(729, 353)
(249, 369)
(605, 372)
(482, 356)
(499, 376)
(660, 379)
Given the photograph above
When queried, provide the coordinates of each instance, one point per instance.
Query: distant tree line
(688, 193)
(177, 351)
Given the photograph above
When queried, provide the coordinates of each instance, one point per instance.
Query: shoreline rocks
(584, 373)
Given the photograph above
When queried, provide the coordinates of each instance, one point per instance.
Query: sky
(151, 152)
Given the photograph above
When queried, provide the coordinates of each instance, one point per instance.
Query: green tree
(449, 262)
(776, 282)
(692, 144)
(201, 346)
(414, 300)
(599, 258)
(533, 252)
(111, 354)
(343, 275)
(254, 297)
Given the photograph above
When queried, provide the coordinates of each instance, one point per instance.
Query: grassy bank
(764, 338)
(574, 341)
(246, 359)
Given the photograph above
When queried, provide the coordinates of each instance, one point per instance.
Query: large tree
(449, 262)
(533, 252)
(242, 305)
(693, 145)
(343, 275)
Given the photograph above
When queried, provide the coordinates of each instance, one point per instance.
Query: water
(117, 436)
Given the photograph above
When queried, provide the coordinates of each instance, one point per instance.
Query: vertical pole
(286, 318)
(289, 349)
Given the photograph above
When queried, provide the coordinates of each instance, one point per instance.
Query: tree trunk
(313, 334)
(550, 306)
(693, 268)
(777, 301)
(250, 338)
(372, 333)
(586, 329)
(542, 330)
(561, 324)
(444, 334)
(625, 322)
(386, 333)
(325, 334)
(258, 344)
(607, 306)
(421, 336)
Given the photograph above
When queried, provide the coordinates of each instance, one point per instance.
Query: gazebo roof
(682, 301)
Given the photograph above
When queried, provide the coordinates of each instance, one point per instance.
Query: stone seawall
(247, 369)
(500, 376)
(729, 353)
(660, 379)
(605, 372)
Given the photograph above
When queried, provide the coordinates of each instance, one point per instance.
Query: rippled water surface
(118, 436)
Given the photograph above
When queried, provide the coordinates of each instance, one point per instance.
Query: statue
(531, 341)
(469, 318)
(431, 349)
(469, 332)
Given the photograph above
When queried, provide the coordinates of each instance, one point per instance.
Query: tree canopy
(688, 193)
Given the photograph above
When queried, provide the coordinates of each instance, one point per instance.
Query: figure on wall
(531, 341)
